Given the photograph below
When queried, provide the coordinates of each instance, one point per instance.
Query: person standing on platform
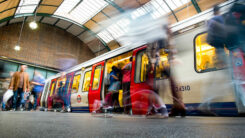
(38, 82)
(19, 84)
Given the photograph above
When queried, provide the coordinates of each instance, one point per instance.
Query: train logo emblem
(79, 98)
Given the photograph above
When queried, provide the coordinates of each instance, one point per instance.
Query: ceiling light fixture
(33, 25)
(17, 48)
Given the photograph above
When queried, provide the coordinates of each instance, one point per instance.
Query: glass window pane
(162, 68)
(9, 67)
(52, 88)
(206, 56)
(50, 73)
(75, 83)
(86, 81)
(96, 80)
(60, 85)
(141, 67)
(42, 72)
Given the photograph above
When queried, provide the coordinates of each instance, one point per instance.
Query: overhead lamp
(17, 48)
(33, 25)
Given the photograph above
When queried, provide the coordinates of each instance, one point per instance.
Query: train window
(206, 58)
(86, 81)
(119, 61)
(60, 84)
(142, 62)
(67, 84)
(162, 64)
(52, 88)
(75, 83)
(96, 80)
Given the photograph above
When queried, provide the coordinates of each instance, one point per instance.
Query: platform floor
(53, 124)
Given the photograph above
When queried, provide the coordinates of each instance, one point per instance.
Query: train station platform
(54, 124)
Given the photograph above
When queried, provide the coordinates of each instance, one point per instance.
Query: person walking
(19, 84)
(38, 82)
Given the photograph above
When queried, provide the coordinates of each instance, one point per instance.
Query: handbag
(7, 95)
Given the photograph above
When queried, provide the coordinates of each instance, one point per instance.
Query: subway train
(206, 89)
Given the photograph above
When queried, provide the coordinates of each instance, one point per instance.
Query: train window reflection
(75, 83)
(119, 61)
(52, 88)
(142, 62)
(206, 56)
(60, 85)
(162, 64)
(96, 80)
(86, 81)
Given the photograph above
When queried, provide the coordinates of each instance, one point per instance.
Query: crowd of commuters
(26, 93)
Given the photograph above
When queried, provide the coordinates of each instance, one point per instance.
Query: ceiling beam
(56, 22)
(38, 6)
(41, 19)
(115, 5)
(194, 2)
(171, 11)
(3, 1)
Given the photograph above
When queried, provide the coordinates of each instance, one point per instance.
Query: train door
(140, 87)
(80, 88)
(49, 102)
(44, 94)
(95, 84)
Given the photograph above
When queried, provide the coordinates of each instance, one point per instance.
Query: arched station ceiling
(82, 18)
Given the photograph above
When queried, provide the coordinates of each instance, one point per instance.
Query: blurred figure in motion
(38, 82)
(113, 88)
(126, 72)
(8, 105)
(59, 98)
(235, 26)
(235, 42)
(66, 61)
(216, 36)
(19, 84)
(153, 53)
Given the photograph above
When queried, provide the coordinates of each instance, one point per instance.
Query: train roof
(224, 7)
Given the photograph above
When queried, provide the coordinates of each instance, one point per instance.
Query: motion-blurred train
(204, 86)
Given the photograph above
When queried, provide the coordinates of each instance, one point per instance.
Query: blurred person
(235, 22)
(9, 103)
(38, 82)
(217, 35)
(235, 42)
(66, 61)
(59, 99)
(114, 86)
(19, 84)
(153, 53)
(126, 72)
